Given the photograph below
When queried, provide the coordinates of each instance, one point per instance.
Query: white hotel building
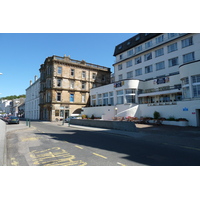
(153, 72)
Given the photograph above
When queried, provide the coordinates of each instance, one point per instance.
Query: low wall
(119, 125)
(2, 142)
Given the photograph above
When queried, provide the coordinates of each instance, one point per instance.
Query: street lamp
(115, 111)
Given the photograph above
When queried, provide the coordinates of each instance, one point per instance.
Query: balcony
(161, 91)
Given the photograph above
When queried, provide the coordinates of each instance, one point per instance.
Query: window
(71, 84)
(99, 99)
(138, 49)
(160, 65)
(130, 96)
(94, 75)
(94, 100)
(58, 96)
(148, 44)
(173, 62)
(187, 42)
(148, 69)
(129, 75)
(196, 79)
(121, 56)
(138, 60)
(111, 99)
(196, 85)
(171, 35)
(83, 98)
(105, 99)
(120, 97)
(185, 81)
(71, 98)
(129, 63)
(83, 85)
(137, 38)
(147, 56)
(120, 77)
(103, 78)
(130, 52)
(159, 39)
(72, 72)
(188, 57)
(83, 74)
(186, 92)
(138, 72)
(159, 52)
(172, 47)
(59, 81)
(59, 70)
(120, 67)
(196, 90)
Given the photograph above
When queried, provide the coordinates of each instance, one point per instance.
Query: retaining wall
(119, 125)
(2, 142)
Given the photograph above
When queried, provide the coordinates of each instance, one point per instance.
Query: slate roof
(134, 41)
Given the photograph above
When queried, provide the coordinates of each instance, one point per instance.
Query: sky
(21, 54)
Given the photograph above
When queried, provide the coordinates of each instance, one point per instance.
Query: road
(46, 144)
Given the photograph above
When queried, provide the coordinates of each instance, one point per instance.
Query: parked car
(71, 117)
(13, 120)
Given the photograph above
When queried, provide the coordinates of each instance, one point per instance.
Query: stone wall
(119, 125)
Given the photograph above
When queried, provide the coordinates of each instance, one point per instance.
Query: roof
(134, 41)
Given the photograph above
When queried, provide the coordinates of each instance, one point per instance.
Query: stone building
(65, 85)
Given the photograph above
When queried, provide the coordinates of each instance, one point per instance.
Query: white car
(69, 118)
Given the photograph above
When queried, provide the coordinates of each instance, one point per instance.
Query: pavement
(171, 135)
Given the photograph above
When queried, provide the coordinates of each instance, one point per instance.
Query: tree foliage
(13, 97)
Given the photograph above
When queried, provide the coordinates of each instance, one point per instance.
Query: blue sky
(21, 54)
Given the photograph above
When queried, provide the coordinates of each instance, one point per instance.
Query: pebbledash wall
(164, 76)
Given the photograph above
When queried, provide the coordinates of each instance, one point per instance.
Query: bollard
(29, 123)
(26, 122)
(68, 123)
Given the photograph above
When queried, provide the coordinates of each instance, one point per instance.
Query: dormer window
(129, 42)
(120, 47)
(137, 38)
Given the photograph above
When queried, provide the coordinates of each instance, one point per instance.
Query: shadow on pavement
(137, 150)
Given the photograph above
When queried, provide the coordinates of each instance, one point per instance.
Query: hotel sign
(119, 84)
(161, 80)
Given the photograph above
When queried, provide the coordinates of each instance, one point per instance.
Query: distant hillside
(13, 97)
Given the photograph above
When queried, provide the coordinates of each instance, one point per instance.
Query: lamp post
(115, 111)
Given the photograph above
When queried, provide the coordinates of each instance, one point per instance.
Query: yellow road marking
(29, 139)
(14, 162)
(55, 157)
(96, 154)
(120, 164)
(79, 147)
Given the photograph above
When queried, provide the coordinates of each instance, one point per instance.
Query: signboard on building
(119, 84)
(161, 80)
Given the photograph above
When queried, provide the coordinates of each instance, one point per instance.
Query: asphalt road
(46, 144)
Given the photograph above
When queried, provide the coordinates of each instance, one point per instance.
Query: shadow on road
(137, 150)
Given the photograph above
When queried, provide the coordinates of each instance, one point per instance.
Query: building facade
(153, 72)
(32, 108)
(65, 85)
(5, 106)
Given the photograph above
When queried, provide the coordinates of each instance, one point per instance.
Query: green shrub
(84, 117)
(171, 118)
(156, 115)
(92, 117)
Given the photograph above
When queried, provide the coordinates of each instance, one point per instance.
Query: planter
(176, 123)
(172, 123)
